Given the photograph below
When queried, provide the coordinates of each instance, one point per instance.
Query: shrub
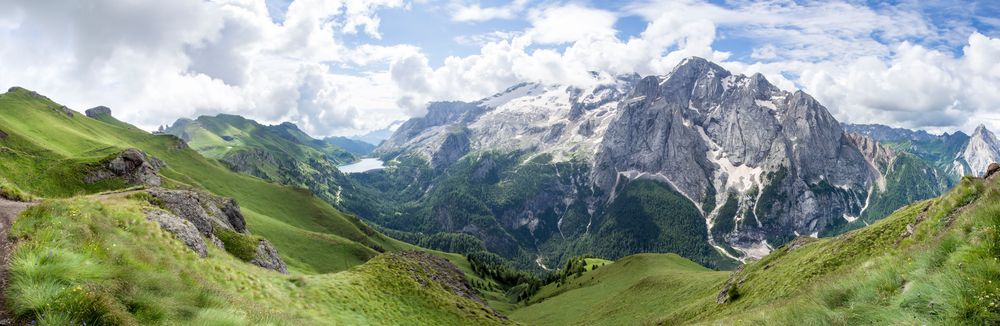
(240, 245)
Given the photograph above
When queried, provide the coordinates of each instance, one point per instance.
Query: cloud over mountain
(345, 67)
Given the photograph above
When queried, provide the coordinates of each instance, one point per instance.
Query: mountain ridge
(732, 145)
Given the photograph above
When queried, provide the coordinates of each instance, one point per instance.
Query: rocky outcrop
(62, 109)
(31, 93)
(455, 145)
(204, 211)
(181, 228)
(189, 213)
(267, 257)
(133, 165)
(98, 112)
(992, 170)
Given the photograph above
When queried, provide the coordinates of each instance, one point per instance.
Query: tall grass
(102, 263)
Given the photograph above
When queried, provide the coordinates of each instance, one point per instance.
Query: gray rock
(217, 242)
(133, 165)
(992, 170)
(62, 109)
(181, 228)
(29, 92)
(267, 257)
(455, 145)
(3, 135)
(204, 211)
(98, 112)
(234, 215)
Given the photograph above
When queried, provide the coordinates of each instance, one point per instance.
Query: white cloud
(477, 13)
(589, 46)
(914, 87)
(155, 61)
(570, 23)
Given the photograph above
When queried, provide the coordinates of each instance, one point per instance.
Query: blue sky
(338, 67)
(430, 25)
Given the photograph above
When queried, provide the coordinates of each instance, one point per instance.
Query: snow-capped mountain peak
(983, 148)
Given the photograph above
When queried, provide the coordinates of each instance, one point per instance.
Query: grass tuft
(243, 246)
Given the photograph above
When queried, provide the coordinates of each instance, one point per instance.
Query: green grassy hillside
(217, 136)
(932, 262)
(68, 244)
(46, 153)
(352, 146)
(635, 289)
(280, 153)
(99, 261)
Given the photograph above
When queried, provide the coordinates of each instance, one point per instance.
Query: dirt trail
(9, 210)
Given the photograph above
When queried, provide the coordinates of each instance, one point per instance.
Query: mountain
(376, 137)
(890, 134)
(982, 149)
(353, 146)
(701, 162)
(280, 153)
(114, 225)
(937, 150)
(922, 265)
(955, 154)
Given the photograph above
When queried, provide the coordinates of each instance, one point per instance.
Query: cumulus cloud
(570, 23)
(476, 13)
(322, 66)
(555, 50)
(155, 61)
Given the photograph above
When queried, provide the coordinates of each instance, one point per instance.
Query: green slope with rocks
(90, 250)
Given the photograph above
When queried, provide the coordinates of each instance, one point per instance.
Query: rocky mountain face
(711, 134)
(880, 156)
(982, 149)
(757, 164)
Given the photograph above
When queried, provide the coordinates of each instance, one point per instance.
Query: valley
(612, 205)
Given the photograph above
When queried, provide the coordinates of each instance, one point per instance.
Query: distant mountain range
(561, 202)
(539, 173)
(957, 154)
(351, 145)
(744, 166)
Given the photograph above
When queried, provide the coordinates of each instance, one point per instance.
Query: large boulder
(180, 228)
(267, 257)
(204, 211)
(992, 170)
(133, 165)
(97, 112)
(195, 216)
